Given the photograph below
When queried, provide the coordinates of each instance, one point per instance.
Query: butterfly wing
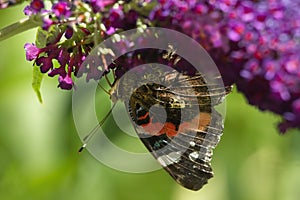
(183, 140)
(187, 156)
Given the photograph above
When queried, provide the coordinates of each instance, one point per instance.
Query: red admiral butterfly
(174, 116)
(177, 122)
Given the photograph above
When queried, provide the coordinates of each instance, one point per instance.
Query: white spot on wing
(194, 156)
(192, 143)
(169, 159)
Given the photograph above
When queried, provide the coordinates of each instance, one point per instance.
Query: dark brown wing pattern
(178, 124)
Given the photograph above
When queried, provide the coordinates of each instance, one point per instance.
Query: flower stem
(19, 27)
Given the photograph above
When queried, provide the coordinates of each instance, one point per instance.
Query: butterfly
(183, 140)
(173, 113)
(174, 116)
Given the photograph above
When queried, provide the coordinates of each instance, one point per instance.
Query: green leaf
(53, 33)
(47, 37)
(37, 78)
(41, 38)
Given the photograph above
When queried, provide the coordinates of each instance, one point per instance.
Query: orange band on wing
(169, 129)
(200, 122)
(144, 117)
(159, 128)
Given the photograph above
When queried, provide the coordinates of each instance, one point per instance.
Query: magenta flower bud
(62, 9)
(66, 82)
(69, 32)
(35, 7)
(45, 63)
(32, 51)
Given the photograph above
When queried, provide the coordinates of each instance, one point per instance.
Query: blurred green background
(39, 143)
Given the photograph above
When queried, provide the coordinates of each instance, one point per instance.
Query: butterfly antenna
(89, 136)
(108, 81)
(114, 73)
(111, 84)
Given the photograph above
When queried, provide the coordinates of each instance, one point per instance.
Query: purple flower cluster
(70, 19)
(255, 44)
